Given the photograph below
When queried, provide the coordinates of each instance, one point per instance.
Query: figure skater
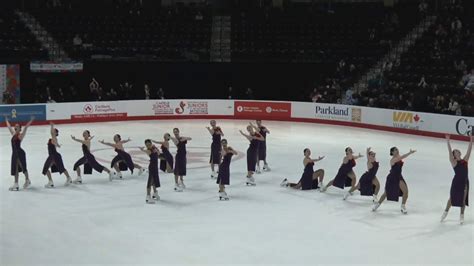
(262, 147)
(180, 161)
(345, 176)
(216, 147)
(395, 185)
(252, 153)
(122, 161)
(153, 175)
(166, 159)
(310, 179)
(18, 161)
(459, 193)
(88, 160)
(223, 178)
(54, 161)
(368, 184)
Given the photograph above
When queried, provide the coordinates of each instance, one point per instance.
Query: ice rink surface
(102, 222)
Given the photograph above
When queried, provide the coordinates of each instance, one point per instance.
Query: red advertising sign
(262, 110)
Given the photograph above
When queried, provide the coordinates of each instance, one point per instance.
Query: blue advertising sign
(23, 113)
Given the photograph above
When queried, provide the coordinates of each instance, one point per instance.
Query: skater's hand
(102, 141)
(72, 137)
(412, 151)
(320, 158)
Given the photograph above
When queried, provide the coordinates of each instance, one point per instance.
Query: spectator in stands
(7, 97)
(77, 41)
(423, 7)
(468, 81)
(249, 94)
(461, 66)
(230, 93)
(111, 95)
(161, 94)
(146, 91)
(456, 25)
(199, 16)
(454, 107)
(60, 96)
(422, 83)
(72, 95)
(315, 96)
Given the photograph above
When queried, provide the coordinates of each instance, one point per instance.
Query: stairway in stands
(220, 39)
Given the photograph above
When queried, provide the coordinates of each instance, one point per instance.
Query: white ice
(102, 222)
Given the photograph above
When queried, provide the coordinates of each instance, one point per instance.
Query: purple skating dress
(223, 177)
(458, 185)
(306, 180)
(89, 162)
(54, 160)
(262, 147)
(342, 179)
(153, 175)
(180, 161)
(165, 158)
(392, 185)
(18, 164)
(124, 161)
(216, 147)
(367, 188)
(252, 154)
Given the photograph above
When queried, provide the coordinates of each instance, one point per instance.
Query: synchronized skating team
(221, 157)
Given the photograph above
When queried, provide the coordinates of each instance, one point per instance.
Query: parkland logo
(407, 120)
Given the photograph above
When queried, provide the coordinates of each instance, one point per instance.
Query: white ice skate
(78, 180)
(250, 181)
(347, 195)
(284, 183)
(178, 188)
(403, 209)
(15, 187)
(376, 206)
(149, 200)
(223, 196)
(49, 185)
(323, 189)
(461, 219)
(68, 181)
(141, 171)
(320, 185)
(213, 174)
(156, 196)
(443, 217)
(182, 185)
(266, 168)
(374, 199)
(258, 170)
(27, 184)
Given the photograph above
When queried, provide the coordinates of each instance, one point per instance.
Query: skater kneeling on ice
(310, 179)
(223, 178)
(123, 161)
(153, 173)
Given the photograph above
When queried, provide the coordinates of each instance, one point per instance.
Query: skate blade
(14, 189)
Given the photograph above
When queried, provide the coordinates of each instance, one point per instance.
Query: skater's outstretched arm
(319, 159)
(232, 150)
(125, 141)
(78, 140)
(145, 150)
(185, 138)
(175, 140)
(158, 142)
(357, 156)
(245, 135)
(23, 133)
(397, 159)
(450, 150)
(469, 149)
(9, 126)
(107, 143)
(54, 138)
(211, 131)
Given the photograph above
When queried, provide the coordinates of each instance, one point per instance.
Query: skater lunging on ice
(252, 152)
(345, 176)
(18, 161)
(215, 159)
(368, 183)
(310, 179)
(88, 160)
(395, 185)
(262, 147)
(180, 161)
(223, 178)
(122, 161)
(54, 161)
(459, 193)
(166, 159)
(153, 175)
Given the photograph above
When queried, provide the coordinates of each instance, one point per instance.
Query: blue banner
(23, 113)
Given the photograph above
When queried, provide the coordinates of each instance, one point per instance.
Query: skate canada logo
(463, 127)
(162, 108)
(407, 120)
(333, 112)
(180, 109)
(88, 109)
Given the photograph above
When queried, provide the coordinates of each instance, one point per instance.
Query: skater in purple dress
(153, 173)
(88, 160)
(166, 159)
(18, 161)
(262, 147)
(216, 133)
(459, 193)
(223, 178)
(54, 161)
(368, 184)
(310, 179)
(252, 153)
(122, 161)
(395, 185)
(345, 176)
(180, 161)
